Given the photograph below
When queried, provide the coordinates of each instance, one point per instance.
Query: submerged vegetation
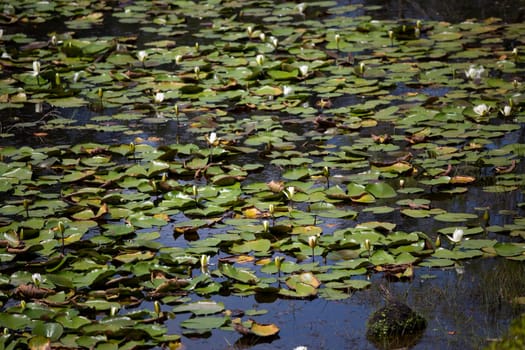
(282, 150)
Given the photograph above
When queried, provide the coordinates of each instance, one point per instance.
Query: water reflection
(463, 311)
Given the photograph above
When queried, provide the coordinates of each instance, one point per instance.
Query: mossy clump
(396, 319)
(514, 339)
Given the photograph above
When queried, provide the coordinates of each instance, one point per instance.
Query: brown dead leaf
(275, 186)
(33, 292)
(461, 179)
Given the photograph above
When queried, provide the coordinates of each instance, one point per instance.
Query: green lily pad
(202, 307)
(204, 323)
(240, 275)
(455, 217)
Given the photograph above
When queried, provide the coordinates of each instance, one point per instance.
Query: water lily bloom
(481, 109)
(337, 39)
(457, 236)
(362, 67)
(367, 244)
(141, 56)
(37, 278)
(300, 8)
(326, 172)
(290, 191)
(515, 53)
(76, 76)
(304, 70)
(278, 260)
(262, 36)
(156, 306)
(205, 260)
(159, 97)
(36, 68)
(211, 138)
(113, 311)
(300, 348)
(178, 59)
(474, 73)
(274, 41)
(287, 90)
(312, 241)
(259, 59)
(61, 228)
(506, 111)
(266, 226)
(249, 30)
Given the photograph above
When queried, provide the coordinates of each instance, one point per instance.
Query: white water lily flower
(481, 109)
(141, 55)
(76, 76)
(474, 73)
(274, 41)
(289, 192)
(178, 59)
(506, 111)
(36, 68)
(1, 34)
(367, 244)
(262, 36)
(287, 90)
(159, 97)
(312, 241)
(304, 70)
(37, 279)
(300, 8)
(457, 236)
(300, 348)
(212, 138)
(259, 59)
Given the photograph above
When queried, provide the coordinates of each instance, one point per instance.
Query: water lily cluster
(258, 154)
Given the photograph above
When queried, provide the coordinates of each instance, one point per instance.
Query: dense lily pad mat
(304, 148)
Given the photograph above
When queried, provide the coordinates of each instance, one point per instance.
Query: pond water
(466, 303)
